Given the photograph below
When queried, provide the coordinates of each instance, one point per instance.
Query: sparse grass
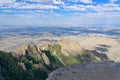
(66, 59)
(71, 59)
(55, 48)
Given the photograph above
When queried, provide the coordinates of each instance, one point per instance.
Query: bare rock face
(34, 53)
(88, 71)
(21, 50)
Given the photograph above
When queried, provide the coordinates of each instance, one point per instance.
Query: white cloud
(38, 6)
(41, 1)
(75, 8)
(47, 1)
(102, 15)
(35, 0)
(99, 8)
(7, 1)
(24, 5)
(82, 1)
(6, 10)
(104, 7)
(112, 1)
(73, 1)
(86, 1)
(58, 14)
(51, 4)
(58, 2)
(109, 7)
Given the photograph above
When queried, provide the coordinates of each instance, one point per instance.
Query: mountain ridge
(37, 61)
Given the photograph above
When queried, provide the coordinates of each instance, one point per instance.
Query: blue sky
(60, 12)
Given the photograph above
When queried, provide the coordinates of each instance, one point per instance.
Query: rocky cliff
(37, 61)
(88, 71)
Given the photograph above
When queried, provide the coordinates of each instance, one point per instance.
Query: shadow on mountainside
(38, 62)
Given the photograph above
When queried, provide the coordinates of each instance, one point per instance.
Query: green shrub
(12, 71)
(10, 67)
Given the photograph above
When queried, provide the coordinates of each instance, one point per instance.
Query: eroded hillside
(35, 62)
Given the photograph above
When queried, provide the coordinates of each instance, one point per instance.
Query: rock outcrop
(60, 54)
(88, 71)
(38, 61)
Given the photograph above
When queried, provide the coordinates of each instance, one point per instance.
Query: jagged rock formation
(36, 62)
(88, 71)
(63, 53)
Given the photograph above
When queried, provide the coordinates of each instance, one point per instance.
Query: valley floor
(100, 42)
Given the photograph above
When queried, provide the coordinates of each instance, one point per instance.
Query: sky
(76, 13)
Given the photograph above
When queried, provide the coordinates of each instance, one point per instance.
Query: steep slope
(67, 52)
(36, 62)
(70, 47)
(63, 53)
